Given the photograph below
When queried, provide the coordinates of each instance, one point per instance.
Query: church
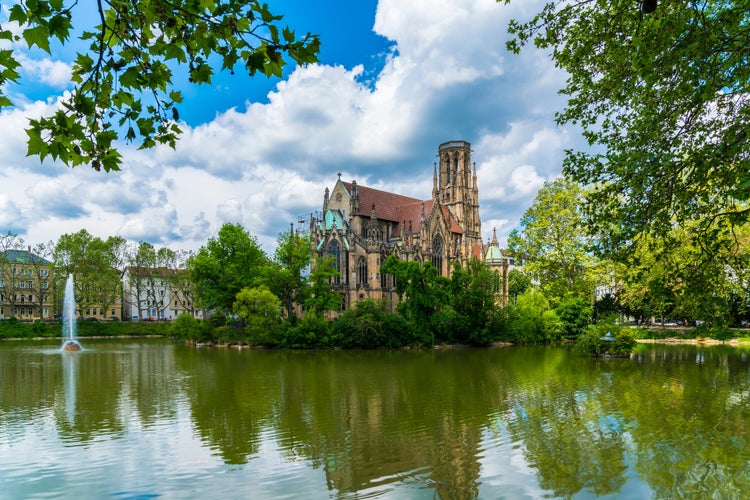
(361, 226)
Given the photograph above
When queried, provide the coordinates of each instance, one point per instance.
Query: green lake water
(157, 419)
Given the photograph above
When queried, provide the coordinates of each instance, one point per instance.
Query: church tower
(457, 188)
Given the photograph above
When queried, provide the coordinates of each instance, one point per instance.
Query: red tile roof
(386, 204)
(397, 208)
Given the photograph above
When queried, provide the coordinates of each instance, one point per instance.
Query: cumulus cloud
(266, 164)
(48, 71)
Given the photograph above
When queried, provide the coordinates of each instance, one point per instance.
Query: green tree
(662, 100)
(141, 262)
(532, 320)
(231, 261)
(518, 283)
(370, 325)
(96, 268)
(9, 244)
(260, 310)
(285, 275)
(321, 296)
(553, 243)
(472, 297)
(575, 315)
(668, 277)
(422, 292)
(123, 83)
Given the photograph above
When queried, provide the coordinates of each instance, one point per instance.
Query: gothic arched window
(334, 250)
(361, 271)
(437, 254)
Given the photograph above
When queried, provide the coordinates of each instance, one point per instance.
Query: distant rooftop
(24, 257)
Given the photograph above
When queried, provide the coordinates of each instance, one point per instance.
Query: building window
(437, 254)
(335, 251)
(29, 284)
(361, 271)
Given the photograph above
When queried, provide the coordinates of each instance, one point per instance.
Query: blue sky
(395, 80)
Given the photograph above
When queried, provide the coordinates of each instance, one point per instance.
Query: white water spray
(69, 317)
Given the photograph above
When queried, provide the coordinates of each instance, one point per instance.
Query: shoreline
(701, 340)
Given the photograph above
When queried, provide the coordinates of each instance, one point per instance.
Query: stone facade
(361, 227)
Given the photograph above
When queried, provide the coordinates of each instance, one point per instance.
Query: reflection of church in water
(362, 226)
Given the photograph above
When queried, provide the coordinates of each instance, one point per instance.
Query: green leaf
(17, 14)
(35, 145)
(38, 36)
(176, 96)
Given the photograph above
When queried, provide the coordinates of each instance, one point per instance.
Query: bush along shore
(374, 327)
(11, 328)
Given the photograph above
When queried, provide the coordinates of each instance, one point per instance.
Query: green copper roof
(494, 255)
(334, 218)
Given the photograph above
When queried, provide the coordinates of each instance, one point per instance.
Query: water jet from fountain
(69, 317)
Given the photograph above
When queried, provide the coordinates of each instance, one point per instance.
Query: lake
(154, 418)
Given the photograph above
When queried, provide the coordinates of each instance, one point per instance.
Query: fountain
(69, 318)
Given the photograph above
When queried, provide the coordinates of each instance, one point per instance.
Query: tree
(575, 314)
(422, 292)
(224, 266)
(285, 275)
(123, 83)
(10, 243)
(667, 276)
(40, 264)
(553, 243)
(662, 100)
(518, 283)
(177, 278)
(472, 297)
(532, 321)
(260, 310)
(95, 265)
(321, 296)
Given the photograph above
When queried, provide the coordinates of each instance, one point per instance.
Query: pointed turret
(435, 189)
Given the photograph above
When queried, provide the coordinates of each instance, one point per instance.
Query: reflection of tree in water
(683, 432)
(111, 388)
(692, 430)
(373, 419)
(230, 396)
(560, 413)
(367, 418)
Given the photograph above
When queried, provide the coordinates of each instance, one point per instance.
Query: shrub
(574, 314)
(531, 320)
(370, 325)
(311, 331)
(596, 341)
(185, 327)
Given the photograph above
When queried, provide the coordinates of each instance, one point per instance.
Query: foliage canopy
(662, 99)
(123, 83)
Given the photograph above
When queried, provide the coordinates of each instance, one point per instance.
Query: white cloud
(447, 78)
(54, 73)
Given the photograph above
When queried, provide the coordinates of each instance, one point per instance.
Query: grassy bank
(665, 334)
(14, 329)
